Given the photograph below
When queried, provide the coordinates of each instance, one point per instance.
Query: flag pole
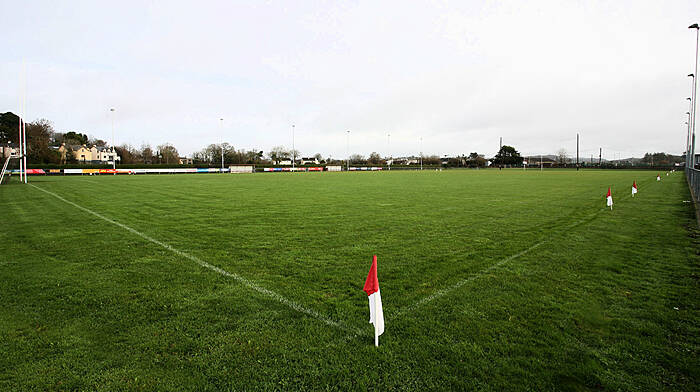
(376, 338)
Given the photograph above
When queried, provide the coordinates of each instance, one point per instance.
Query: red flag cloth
(634, 184)
(608, 195)
(372, 283)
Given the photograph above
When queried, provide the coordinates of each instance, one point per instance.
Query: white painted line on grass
(248, 283)
(445, 291)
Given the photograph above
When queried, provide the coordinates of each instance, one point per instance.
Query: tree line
(43, 143)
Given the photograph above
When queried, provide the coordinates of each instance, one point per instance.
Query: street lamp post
(695, 91)
(114, 155)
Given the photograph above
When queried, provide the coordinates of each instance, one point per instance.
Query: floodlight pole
(687, 140)
(421, 153)
(695, 91)
(114, 155)
(577, 152)
(687, 146)
(294, 153)
(221, 126)
(690, 123)
(388, 146)
(347, 151)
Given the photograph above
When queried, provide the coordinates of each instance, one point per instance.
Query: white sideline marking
(445, 291)
(250, 284)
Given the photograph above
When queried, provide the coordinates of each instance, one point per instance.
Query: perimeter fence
(693, 177)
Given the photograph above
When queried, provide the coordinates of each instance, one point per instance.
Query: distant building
(311, 160)
(9, 149)
(93, 155)
(534, 161)
(405, 161)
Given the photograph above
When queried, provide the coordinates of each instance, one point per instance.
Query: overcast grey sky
(458, 74)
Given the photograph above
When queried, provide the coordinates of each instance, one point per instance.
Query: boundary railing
(693, 177)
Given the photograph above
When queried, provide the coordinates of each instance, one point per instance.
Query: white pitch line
(445, 291)
(248, 283)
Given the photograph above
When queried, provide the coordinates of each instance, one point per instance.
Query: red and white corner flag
(609, 197)
(634, 188)
(376, 314)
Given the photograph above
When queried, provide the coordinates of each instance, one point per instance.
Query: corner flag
(610, 201)
(634, 188)
(376, 314)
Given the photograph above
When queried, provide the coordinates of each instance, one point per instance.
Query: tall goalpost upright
(22, 137)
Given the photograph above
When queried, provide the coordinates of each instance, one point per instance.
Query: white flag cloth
(634, 188)
(376, 313)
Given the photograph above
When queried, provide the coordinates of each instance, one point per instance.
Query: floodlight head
(689, 99)
(693, 26)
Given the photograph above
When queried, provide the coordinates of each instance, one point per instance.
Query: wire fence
(693, 177)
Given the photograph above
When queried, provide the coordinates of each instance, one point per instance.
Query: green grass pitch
(491, 280)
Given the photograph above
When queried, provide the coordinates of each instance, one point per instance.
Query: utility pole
(294, 153)
(600, 157)
(347, 152)
(500, 143)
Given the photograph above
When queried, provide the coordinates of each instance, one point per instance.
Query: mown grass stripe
(246, 282)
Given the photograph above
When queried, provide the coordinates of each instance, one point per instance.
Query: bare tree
(357, 159)
(562, 156)
(127, 154)
(277, 153)
(168, 153)
(375, 159)
(146, 154)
